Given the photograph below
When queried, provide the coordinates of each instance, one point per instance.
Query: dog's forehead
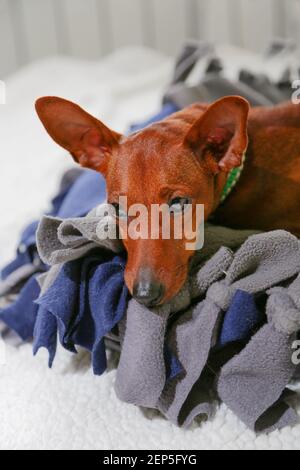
(149, 160)
(153, 140)
(144, 151)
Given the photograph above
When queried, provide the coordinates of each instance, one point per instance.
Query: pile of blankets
(231, 332)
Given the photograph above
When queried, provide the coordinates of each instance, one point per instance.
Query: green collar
(232, 179)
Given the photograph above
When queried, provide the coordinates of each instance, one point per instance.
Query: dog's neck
(232, 180)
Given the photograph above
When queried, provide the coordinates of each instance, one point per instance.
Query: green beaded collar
(232, 179)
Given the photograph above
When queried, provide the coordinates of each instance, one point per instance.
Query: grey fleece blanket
(253, 379)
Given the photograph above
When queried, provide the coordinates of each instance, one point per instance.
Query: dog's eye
(120, 213)
(179, 204)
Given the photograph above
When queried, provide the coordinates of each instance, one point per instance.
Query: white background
(31, 29)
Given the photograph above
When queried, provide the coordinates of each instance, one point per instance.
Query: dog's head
(181, 161)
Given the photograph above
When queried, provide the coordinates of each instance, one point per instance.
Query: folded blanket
(167, 354)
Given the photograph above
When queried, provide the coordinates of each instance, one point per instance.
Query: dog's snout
(148, 292)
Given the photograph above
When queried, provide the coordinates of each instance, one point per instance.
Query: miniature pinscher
(188, 157)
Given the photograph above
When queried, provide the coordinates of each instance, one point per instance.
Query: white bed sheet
(67, 407)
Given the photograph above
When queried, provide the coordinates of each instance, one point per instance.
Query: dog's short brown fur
(190, 155)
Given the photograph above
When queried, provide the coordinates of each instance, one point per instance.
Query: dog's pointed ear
(219, 137)
(88, 140)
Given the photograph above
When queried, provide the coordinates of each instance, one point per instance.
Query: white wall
(30, 29)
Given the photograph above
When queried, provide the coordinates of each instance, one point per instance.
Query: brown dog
(188, 156)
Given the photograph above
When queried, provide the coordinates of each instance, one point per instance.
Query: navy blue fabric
(88, 191)
(241, 319)
(85, 302)
(25, 252)
(173, 365)
(21, 315)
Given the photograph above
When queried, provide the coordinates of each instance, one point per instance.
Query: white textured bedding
(67, 407)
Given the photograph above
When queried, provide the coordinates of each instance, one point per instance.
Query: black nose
(148, 292)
